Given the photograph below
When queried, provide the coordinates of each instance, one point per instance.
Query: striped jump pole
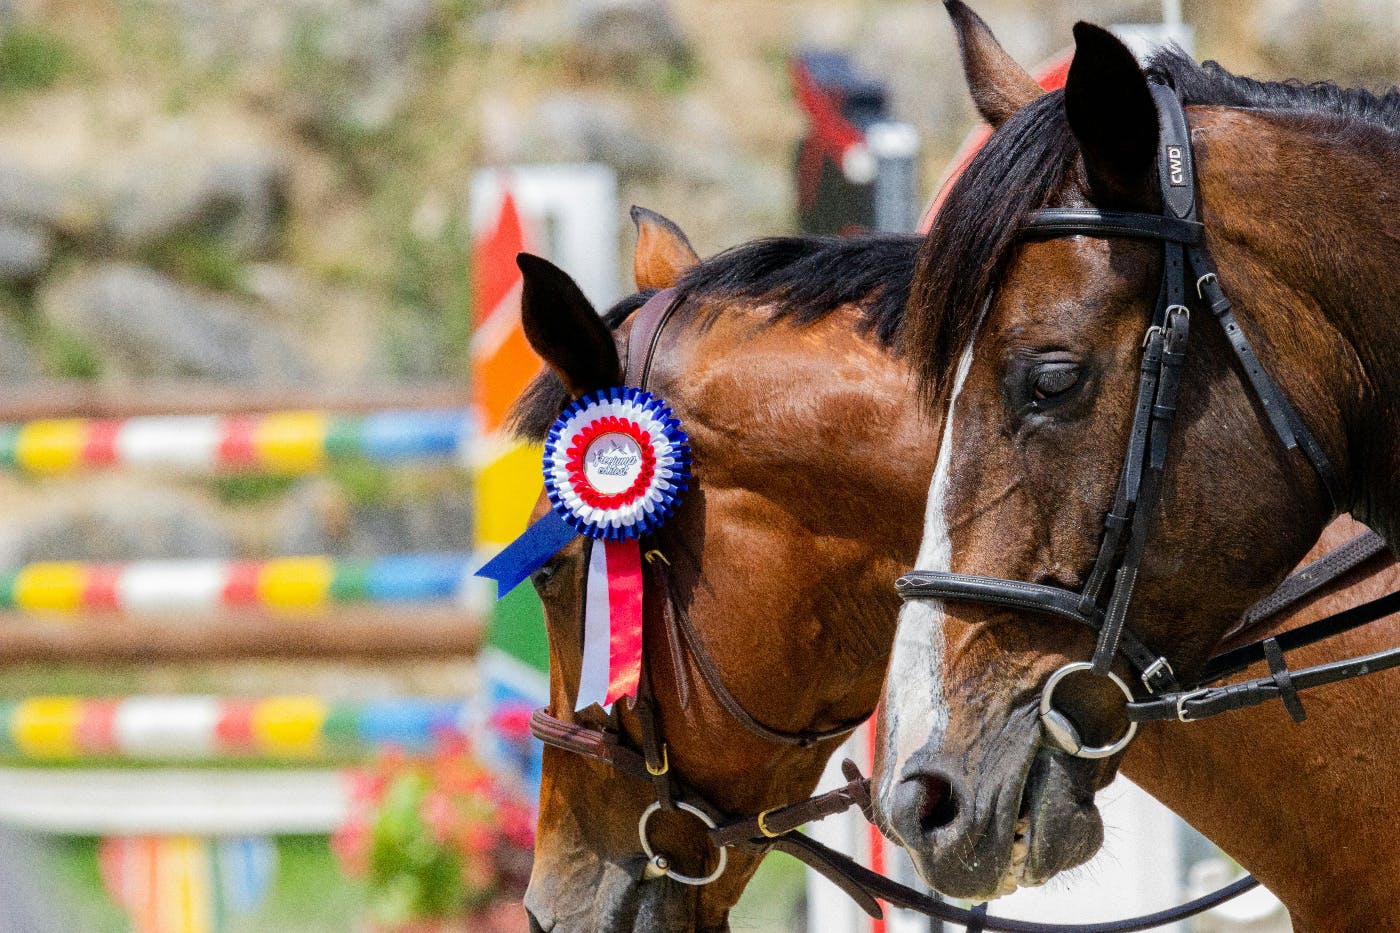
(286, 584)
(49, 729)
(284, 442)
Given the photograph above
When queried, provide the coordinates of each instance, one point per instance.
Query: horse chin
(1057, 827)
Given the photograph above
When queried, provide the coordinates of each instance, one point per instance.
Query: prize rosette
(615, 465)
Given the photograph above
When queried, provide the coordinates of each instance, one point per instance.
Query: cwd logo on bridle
(615, 465)
(1176, 163)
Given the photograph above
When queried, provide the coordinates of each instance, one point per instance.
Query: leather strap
(645, 334)
(1237, 659)
(714, 680)
(866, 887)
(780, 821)
(1283, 679)
(1306, 581)
(1015, 594)
(1090, 221)
(1287, 423)
(1191, 705)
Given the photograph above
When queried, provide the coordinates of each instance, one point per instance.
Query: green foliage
(412, 876)
(33, 59)
(200, 259)
(310, 893)
(668, 76)
(364, 482)
(251, 489)
(68, 356)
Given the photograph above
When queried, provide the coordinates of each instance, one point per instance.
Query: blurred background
(288, 219)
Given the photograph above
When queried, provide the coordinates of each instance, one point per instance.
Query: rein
(1105, 611)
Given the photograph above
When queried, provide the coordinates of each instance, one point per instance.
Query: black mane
(800, 280)
(1209, 83)
(1028, 159)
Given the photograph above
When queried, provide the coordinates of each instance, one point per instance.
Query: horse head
(1032, 356)
(779, 558)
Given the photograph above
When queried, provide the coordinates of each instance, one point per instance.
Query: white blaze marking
(916, 710)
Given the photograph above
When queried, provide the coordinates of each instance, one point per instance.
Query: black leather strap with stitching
(1088, 221)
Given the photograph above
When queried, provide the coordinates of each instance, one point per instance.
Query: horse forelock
(974, 235)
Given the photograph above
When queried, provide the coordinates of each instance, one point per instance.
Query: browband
(1090, 221)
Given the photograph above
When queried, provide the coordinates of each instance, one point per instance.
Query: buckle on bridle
(1185, 698)
(665, 764)
(763, 826)
(1201, 283)
(1150, 677)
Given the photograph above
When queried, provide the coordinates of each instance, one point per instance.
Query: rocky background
(274, 193)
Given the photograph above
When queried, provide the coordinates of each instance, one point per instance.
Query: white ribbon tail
(597, 631)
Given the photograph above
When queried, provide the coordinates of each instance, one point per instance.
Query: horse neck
(1301, 219)
(1300, 805)
(811, 432)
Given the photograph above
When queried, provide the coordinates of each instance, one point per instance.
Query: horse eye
(1050, 382)
(546, 573)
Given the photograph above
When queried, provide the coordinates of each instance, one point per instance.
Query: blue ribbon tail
(528, 553)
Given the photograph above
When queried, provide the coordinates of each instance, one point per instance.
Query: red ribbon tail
(625, 608)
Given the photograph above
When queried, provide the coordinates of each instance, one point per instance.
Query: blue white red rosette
(615, 464)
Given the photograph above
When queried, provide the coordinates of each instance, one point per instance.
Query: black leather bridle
(1107, 595)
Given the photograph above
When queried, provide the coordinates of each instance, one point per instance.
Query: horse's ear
(1114, 118)
(663, 252)
(999, 85)
(562, 326)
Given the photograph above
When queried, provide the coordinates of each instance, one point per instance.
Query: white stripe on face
(915, 709)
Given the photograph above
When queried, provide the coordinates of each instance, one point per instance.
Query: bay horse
(809, 461)
(588, 873)
(1029, 352)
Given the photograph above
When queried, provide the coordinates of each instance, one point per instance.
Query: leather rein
(775, 828)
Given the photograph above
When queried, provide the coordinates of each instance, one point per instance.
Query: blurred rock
(1338, 40)
(31, 201)
(24, 251)
(18, 364)
(238, 200)
(358, 59)
(622, 36)
(138, 525)
(579, 126)
(148, 325)
(318, 518)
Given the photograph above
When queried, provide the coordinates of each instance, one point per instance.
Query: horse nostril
(938, 805)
